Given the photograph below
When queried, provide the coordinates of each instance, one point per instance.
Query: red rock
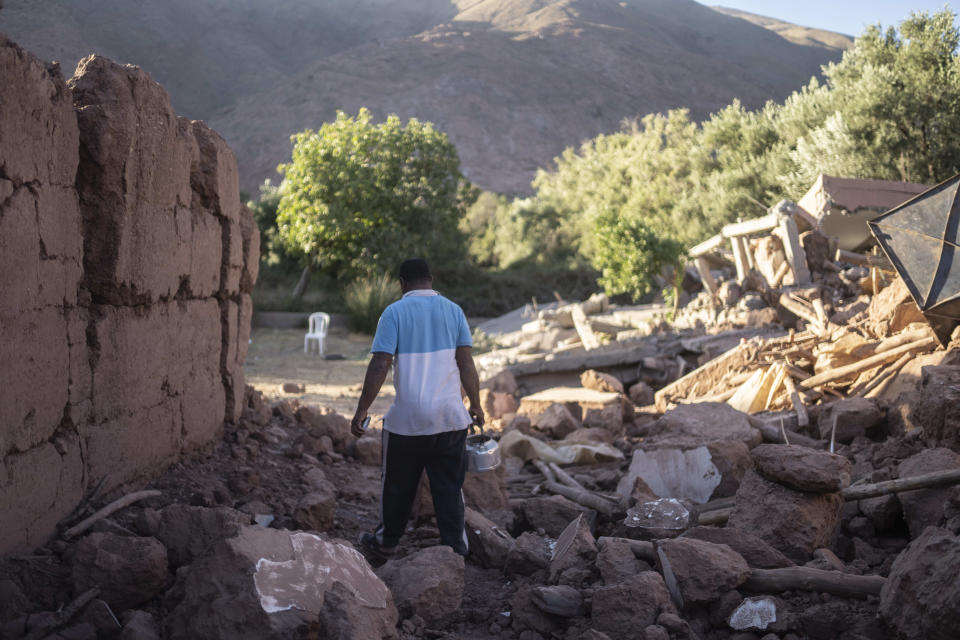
(551, 513)
(855, 417)
(489, 544)
(368, 450)
(802, 468)
(557, 421)
(616, 562)
(427, 583)
(693, 425)
(497, 404)
(921, 597)
(503, 382)
(574, 555)
(790, 521)
(926, 507)
(625, 609)
(530, 553)
(641, 394)
(599, 381)
(190, 532)
(934, 408)
(704, 571)
(127, 570)
(317, 510)
(755, 551)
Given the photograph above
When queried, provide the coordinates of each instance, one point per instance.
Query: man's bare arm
(470, 381)
(376, 375)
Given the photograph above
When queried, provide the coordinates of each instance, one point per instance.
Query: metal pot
(483, 452)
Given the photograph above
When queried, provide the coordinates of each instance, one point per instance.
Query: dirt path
(276, 356)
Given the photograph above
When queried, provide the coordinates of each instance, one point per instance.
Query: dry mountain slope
(515, 82)
(793, 32)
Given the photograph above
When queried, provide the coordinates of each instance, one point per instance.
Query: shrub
(366, 299)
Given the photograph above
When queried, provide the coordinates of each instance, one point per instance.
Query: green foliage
(366, 299)
(482, 343)
(359, 197)
(629, 255)
(272, 251)
(890, 109)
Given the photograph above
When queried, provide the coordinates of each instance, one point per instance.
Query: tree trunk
(301, 283)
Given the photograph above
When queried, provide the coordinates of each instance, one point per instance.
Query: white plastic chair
(316, 332)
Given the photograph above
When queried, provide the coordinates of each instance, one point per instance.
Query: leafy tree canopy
(359, 197)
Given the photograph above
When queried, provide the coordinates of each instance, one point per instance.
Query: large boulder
(427, 583)
(574, 554)
(755, 551)
(624, 609)
(557, 421)
(934, 408)
(128, 570)
(926, 507)
(704, 571)
(856, 417)
(802, 468)
(551, 513)
(271, 584)
(791, 521)
(599, 381)
(189, 532)
(921, 598)
(698, 424)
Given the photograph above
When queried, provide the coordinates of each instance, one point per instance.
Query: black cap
(415, 270)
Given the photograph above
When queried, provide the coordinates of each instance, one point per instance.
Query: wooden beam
(582, 325)
(705, 276)
(705, 247)
(749, 227)
(797, 258)
(809, 579)
(866, 363)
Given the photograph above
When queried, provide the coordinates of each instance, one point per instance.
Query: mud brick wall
(126, 265)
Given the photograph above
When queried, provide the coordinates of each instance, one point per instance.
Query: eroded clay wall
(126, 265)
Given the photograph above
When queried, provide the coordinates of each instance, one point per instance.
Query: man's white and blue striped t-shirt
(422, 331)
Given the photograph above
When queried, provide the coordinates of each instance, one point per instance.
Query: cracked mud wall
(126, 265)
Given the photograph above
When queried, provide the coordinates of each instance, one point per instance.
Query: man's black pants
(443, 456)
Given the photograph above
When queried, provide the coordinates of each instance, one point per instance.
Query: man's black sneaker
(373, 551)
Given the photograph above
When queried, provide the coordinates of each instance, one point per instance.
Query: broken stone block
(934, 409)
(497, 404)
(128, 570)
(317, 510)
(755, 551)
(856, 417)
(599, 381)
(557, 421)
(792, 522)
(921, 597)
(294, 387)
(641, 394)
(704, 571)
(802, 468)
(189, 532)
(527, 618)
(139, 625)
(892, 310)
(427, 583)
(552, 513)
(489, 544)
(575, 553)
(503, 382)
(625, 609)
(609, 419)
(368, 450)
(925, 507)
(884, 512)
(270, 584)
(693, 425)
(530, 553)
(559, 600)
(328, 423)
(616, 561)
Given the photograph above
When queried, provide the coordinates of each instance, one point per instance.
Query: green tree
(359, 197)
(629, 255)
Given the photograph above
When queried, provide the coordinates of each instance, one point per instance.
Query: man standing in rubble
(427, 339)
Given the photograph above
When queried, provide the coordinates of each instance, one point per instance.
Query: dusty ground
(276, 356)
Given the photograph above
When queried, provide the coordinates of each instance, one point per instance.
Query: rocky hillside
(513, 82)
